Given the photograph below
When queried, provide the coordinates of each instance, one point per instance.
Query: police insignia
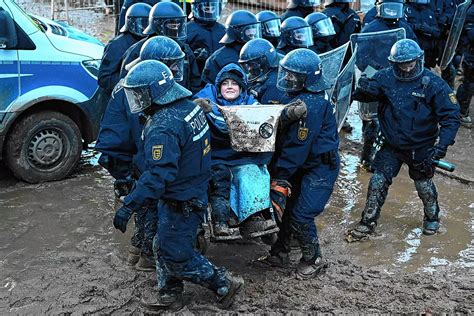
(302, 133)
(452, 98)
(157, 152)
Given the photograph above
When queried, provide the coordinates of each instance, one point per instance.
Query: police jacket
(221, 57)
(191, 79)
(222, 152)
(177, 152)
(109, 70)
(265, 90)
(120, 132)
(380, 24)
(423, 22)
(301, 12)
(413, 114)
(203, 38)
(369, 16)
(301, 144)
(345, 21)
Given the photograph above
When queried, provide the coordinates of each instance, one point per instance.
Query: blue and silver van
(50, 103)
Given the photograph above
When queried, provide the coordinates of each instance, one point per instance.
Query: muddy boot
(277, 260)
(133, 256)
(430, 228)
(145, 265)
(226, 294)
(310, 269)
(429, 196)
(361, 232)
(346, 127)
(166, 301)
(222, 229)
(465, 121)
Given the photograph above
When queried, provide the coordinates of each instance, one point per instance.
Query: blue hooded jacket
(222, 153)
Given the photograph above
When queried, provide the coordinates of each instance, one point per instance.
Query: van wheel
(43, 146)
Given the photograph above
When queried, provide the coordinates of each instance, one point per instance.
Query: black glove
(438, 152)
(279, 192)
(122, 216)
(204, 103)
(296, 110)
(201, 54)
(122, 187)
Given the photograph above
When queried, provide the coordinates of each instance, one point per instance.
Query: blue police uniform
(412, 115)
(301, 12)
(307, 157)
(265, 90)
(221, 57)
(345, 21)
(423, 21)
(203, 38)
(380, 24)
(369, 16)
(109, 70)
(466, 88)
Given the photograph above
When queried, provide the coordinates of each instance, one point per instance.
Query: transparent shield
(331, 63)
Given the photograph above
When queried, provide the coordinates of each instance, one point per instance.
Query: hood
(68, 39)
(231, 67)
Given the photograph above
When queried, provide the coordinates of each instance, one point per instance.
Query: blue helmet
(295, 32)
(207, 10)
(163, 49)
(241, 26)
(390, 9)
(271, 24)
(321, 25)
(329, 2)
(407, 60)
(167, 19)
(151, 82)
(257, 58)
(303, 3)
(136, 19)
(301, 69)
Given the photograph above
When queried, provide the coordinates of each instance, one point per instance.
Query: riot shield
(331, 62)
(372, 50)
(454, 34)
(341, 94)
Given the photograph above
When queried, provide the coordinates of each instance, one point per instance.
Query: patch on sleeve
(207, 149)
(302, 133)
(452, 98)
(157, 152)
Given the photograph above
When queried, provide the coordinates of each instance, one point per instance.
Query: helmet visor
(137, 25)
(309, 3)
(271, 28)
(323, 28)
(138, 98)
(302, 37)
(207, 11)
(177, 68)
(420, 1)
(409, 70)
(289, 81)
(174, 28)
(255, 68)
(390, 10)
(250, 31)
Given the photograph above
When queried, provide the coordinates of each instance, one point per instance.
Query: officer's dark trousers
(145, 230)
(370, 130)
(219, 193)
(387, 164)
(177, 259)
(466, 88)
(311, 190)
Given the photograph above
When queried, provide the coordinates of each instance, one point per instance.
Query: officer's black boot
(220, 216)
(376, 194)
(280, 252)
(429, 196)
(226, 293)
(133, 256)
(464, 96)
(170, 298)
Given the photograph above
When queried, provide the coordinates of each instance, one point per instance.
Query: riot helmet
(241, 26)
(167, 19)
(303, 3)
(329, 2)
(136, 19)
(321, 25)
(257, 58)
(301, 69)
(295, 32)
(163, 49)
(207, 10)
(151, 82)
(271, 23)
(407, 60)
(390, 9)
(419, 1)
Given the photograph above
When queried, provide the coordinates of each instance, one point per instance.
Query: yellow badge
(157, 152)
(452, 98)
(302, 133)
(208, 147)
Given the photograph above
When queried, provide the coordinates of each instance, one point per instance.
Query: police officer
(345, 20)
(322, 30)
(295, 33)
(126, 5)
(168, 19)
(423, 21)
(306, 162)
(131, 32)
(466, 88)
(204, 32)
(177, 151)
(241, 27)
(419, 119)
(259, 59)
(300, 8)
(271, 25)
(370, 15)
(121, 147)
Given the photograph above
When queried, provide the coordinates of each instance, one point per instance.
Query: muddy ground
(59, 253)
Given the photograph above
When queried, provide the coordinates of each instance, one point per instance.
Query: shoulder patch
(157, 152)
(452, 98)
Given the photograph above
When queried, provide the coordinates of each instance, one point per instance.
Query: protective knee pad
(429, 196)
(376, 194)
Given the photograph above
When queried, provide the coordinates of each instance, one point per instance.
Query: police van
(50, 103)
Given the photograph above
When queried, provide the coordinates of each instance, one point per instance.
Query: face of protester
(230, 89)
